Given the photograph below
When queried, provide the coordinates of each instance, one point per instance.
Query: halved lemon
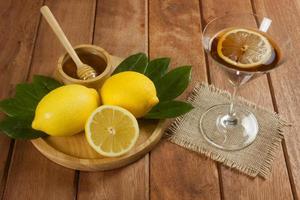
(111, 130)
(244, 47)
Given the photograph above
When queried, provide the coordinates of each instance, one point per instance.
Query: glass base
(228, 132)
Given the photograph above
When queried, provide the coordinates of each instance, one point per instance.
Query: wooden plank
(129, 182)
(31, 175)
(235, 185)
(176, 173)
(286, 79)
(121, 26)
(121, 29)
(5, 143)
(18, 29)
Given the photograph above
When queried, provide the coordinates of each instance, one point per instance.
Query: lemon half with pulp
(244, 48)
(111, 130)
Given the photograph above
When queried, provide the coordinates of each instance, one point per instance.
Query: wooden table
(160, 28)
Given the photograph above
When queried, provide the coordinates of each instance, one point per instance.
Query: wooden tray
(74, 151)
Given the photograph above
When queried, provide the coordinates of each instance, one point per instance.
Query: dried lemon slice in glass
(111, 130)
(244, 48)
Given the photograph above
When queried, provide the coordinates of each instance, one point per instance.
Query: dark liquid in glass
(266, 66)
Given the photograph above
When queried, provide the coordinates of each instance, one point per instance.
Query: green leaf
(157, 68)
(21, 108)
(23, 104)
(173, 83)
(43, 85)
(19, 128)
(47, 82)
(168, 109)
(27, 97)
(137, 62)
(15, 108)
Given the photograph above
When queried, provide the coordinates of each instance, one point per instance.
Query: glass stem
(232, 102)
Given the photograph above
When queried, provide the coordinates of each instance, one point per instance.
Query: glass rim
(256, 16)
(228, 15)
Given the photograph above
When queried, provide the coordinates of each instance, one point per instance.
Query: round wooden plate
(74, 151)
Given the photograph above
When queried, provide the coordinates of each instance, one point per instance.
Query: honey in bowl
(95, 61)
(91, 55)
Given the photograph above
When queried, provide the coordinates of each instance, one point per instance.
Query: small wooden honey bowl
(91, 55)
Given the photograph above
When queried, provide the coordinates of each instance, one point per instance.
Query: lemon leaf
(23, 104)
(21, 108)
(48, 83)
(168, 109)
(173, 83)
(19, 128)
(26, 94)
(16, 108)
(157, 68)
(27, 97)
(137, 62)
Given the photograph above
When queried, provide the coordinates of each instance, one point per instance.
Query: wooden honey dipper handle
(47, 14)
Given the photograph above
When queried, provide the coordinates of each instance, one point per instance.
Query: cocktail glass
(231, 126)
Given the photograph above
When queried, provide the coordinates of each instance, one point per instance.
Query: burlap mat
(256, 159)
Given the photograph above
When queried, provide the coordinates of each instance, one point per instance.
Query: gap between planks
(274, 103)
(12, 142)
(76, 184)
(275, 107)
(283, 142)
(77, 172)
(203, 24)
(148, 155)
(7, 168)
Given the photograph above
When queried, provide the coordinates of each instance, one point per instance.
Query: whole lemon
(64, 111)
(130, 90)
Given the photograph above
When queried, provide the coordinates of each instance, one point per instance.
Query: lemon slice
(244, 48)
(111, 130)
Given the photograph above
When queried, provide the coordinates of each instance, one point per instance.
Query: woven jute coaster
(256, 159)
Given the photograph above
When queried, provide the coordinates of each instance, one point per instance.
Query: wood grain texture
(286, 79)
(121, 29)
(74, 152)
(4, 161)
(176, 173)
(125, 183)
(32, 176)
(16, 49)
(235, 185)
